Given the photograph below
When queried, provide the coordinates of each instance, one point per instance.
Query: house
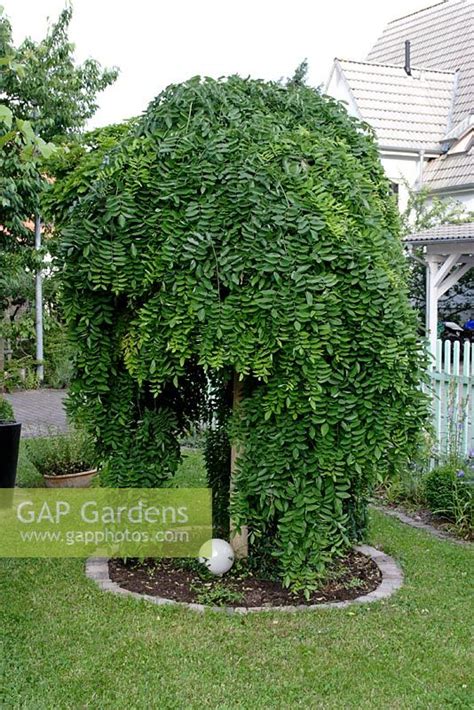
(416, 90)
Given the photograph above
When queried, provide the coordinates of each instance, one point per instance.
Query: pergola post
(448, 255)
(432, 268)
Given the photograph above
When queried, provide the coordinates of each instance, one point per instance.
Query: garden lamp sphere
(217, 555)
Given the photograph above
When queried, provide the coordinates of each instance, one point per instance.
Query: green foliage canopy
(45, 97)
(246, 227)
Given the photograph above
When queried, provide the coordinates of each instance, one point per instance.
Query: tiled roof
(444, 233)
(405, 111)
(442, 37)
(461, 128)
(450, 171)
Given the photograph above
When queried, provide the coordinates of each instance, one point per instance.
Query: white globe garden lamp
(217, 555)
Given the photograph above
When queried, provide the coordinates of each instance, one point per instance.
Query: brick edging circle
(97, 569)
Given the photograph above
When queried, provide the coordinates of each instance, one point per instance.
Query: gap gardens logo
(127, 522)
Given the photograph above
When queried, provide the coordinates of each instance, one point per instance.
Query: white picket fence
(452, 388)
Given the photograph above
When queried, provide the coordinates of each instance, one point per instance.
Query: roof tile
(442, 37)
(443, 233)
(450, 171)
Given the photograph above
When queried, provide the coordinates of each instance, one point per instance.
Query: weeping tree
(237, 257)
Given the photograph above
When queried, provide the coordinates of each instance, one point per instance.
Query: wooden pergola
(448, 252)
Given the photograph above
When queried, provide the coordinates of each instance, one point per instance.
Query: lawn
(65, 644)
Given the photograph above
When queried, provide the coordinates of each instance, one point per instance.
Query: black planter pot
(9, 446)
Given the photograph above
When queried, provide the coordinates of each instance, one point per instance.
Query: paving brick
(40, 411)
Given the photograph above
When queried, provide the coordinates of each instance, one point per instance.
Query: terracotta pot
(71, 480)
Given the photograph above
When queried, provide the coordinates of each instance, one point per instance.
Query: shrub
(245, 231)
(449, 492)
(61, 454)
(58, 356)
(408, 485)
(20, 374)
(6, 411)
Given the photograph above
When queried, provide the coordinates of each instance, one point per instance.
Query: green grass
(192, 472)
(65, 644)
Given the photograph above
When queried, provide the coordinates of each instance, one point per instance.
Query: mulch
(185, 581)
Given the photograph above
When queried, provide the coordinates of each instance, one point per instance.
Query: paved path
(39, 411)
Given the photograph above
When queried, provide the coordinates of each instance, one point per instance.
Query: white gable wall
(467, 198)
(337, 88)
(401, 169)
(400, 166)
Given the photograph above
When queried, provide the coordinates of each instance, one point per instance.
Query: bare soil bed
(187, 581)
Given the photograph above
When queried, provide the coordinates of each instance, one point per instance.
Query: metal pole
(39, 306)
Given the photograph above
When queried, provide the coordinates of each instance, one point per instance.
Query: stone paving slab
(40, 411)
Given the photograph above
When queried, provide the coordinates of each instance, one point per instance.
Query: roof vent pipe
(408, 57)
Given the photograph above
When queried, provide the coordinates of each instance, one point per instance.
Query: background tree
(46, 99)
(54, 93)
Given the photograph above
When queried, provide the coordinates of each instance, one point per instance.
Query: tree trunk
(238, 540)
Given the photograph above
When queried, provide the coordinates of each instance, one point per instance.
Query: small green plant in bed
(240, 569)
(216, 594)
(193, 437)
(449, 492)
(449, 487)
(6, 411)
(408, 485)
(61, 454)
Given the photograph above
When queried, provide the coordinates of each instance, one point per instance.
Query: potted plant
(64, 460)
(10, 431)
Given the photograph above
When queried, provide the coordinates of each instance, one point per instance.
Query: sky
(158, 42)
